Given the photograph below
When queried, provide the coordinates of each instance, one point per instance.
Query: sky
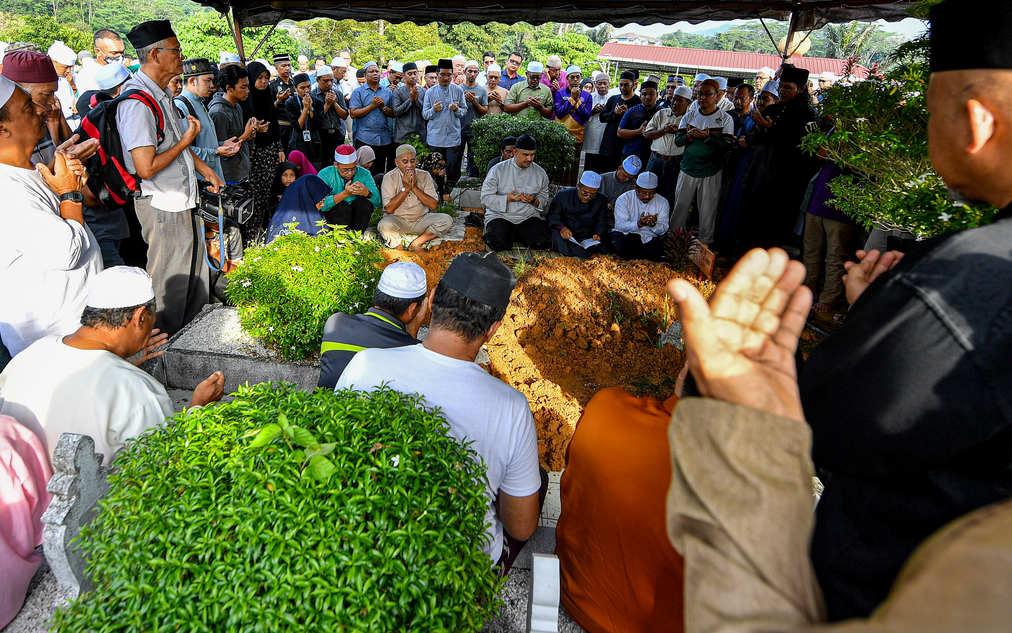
(908, 27)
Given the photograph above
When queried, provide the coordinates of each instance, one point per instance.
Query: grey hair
(143, 52)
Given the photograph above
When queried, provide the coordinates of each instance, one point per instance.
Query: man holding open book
(580, 218)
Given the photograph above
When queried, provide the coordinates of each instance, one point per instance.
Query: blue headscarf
(298, 204)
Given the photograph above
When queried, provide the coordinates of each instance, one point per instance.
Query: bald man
(909, 402)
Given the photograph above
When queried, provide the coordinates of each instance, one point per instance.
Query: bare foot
(822, 307)
(416, 246)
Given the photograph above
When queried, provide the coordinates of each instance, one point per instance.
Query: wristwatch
(72, 196)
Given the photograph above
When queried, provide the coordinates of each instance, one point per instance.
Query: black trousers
(355, 214)
(569, 249)
(533, 233)
(384, 159)
(630, 246)
(330, 140)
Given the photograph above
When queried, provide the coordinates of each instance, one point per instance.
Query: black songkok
(794, 75)
(409, 66)
(526, 142)
(148, 33)
(965, 37)
(445, 63)
(196, 67)
(630, 75)
(509, 141)
(431, 69)
(482, 278)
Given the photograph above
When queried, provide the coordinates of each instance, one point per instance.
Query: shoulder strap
(186, 103)
(149, 101)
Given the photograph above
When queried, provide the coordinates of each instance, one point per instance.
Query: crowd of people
(700, 506)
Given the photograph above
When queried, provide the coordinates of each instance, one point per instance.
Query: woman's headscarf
(298, 204)
(263, 106)
(279, 188)
(305, 167)
(366, 154)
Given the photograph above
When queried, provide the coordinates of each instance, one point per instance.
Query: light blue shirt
(205, 146)
(444, 126)
(372, 129)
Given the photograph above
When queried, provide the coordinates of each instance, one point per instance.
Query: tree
(571, 47)
(207, 34)
(600, 35)
(91, 15)
(43, 31)
(379, 41)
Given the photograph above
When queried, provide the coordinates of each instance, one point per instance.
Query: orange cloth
(619, 570)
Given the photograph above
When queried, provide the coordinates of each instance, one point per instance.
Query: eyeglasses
(179, 51)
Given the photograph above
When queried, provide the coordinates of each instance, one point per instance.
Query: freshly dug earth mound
(573, 328)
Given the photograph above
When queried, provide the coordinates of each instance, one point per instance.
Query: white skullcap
(765, 70)
(493, 68)
(6, 90)
(701, 77)
(120, 287)
(573, 69)
(647, 180)
(111, 75)
(684, 91)
(370, 63)
(598, 76)
(632, 165)
(459, 58)
(225, 57)
(826, 75)
(471, 62)
(535, 67)
(554, 61)
(345, 155)
(339, 62)
(324, 71)
(771, 87)
(403, 280)
(60, 52)
(396, 67)
(303, 58)
(721, 82)
(591, 179)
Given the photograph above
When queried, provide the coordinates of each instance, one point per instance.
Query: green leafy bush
(207, 529)
(882, 135)
(43, 30)
(556, 146)
(286, 290)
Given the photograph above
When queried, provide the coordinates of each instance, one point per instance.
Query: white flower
(297, 269)
(396, 459)
(293, 347)
(247, 283)
(275, 249)
(861, 119)
(316, 249)
(957, 203)
(945, 217)
(357, 253)
(270, 329)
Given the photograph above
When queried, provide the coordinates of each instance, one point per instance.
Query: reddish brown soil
(573, 328)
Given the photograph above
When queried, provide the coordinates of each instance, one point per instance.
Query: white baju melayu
(45, 261)
(53, 389)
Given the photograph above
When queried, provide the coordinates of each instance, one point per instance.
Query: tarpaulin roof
(809, 13)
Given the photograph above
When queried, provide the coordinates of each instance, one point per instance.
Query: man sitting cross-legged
(399, 307)
(641, 220)
(354, 192)
(515, 194)
(468, 306)
(577, 215)
(82, 383)
(409, 197)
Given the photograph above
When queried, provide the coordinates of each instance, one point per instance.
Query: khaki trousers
(391, 227)
(827, 242)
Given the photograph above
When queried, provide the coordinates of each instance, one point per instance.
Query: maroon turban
(27, 67)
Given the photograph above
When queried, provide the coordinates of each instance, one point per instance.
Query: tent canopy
(807, 13)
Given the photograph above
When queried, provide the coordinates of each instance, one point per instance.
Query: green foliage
(882, 135)
(379, 41)
(43, 31)
(207, 34)
(286, 290)
(90, 15)
(556, 146)
(216, 521)
(573, 48)
(421, 149)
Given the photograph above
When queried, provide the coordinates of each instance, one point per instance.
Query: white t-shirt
(478, 407)
(53, 389)
(45, 261)
(718, 119)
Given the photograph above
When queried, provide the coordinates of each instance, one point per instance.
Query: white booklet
(587, 243)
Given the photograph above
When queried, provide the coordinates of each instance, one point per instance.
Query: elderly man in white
(82, 383)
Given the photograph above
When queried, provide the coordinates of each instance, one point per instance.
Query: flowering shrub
(214, 522)
(286, 290)
(881, 134)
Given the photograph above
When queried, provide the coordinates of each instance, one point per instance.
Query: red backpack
(108, 177)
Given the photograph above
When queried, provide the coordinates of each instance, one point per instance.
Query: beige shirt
(494, 107)
(411, 208)
(665, 144)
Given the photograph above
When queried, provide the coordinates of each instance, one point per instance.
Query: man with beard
(283, 88)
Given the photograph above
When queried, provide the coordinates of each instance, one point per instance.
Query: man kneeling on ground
(641, 220)
(399, 307)
(468, 306)
(515, 194)
(579, 216)
(83, 384)
(409, 197)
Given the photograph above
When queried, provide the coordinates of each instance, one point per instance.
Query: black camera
(234, 202)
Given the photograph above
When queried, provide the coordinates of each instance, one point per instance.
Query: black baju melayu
(584, 220)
